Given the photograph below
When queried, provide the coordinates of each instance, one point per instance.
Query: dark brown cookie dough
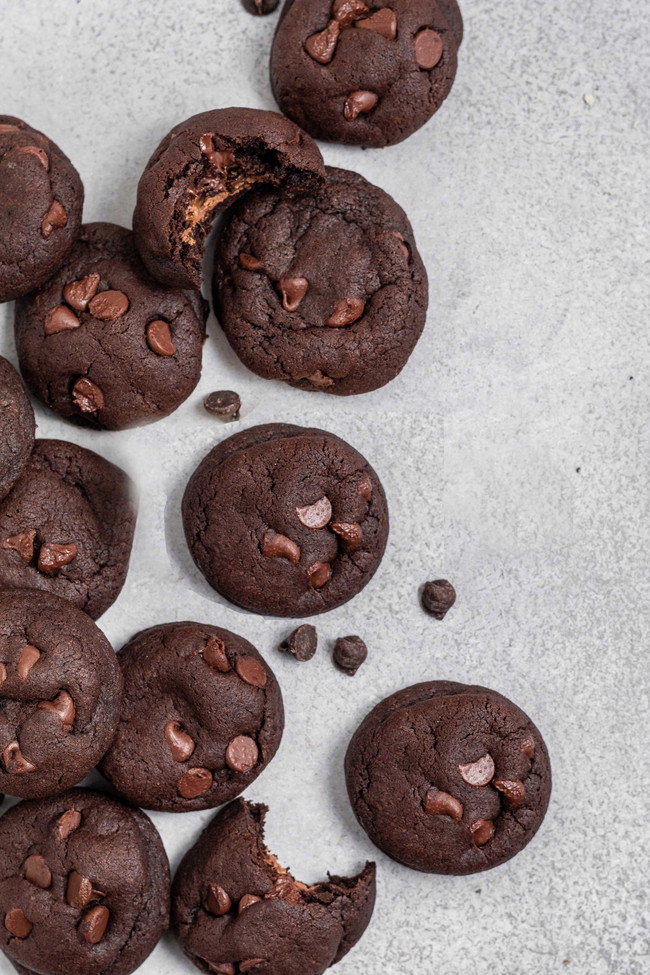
(236, 910)
(201, 167)
(448, 778)
(285, 520)
(16, 427)
(202, 717)
(60, 694)
(67, 527)
(41, 199)
(326, 290)
(103, 343)
(84, 886)
(365, 72)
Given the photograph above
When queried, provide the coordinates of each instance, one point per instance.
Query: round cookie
(448, 778)
(235, 909)
(202, 166)
(60, 690)
(202, 717)
(285, 520)
(84, 885)
(103, 343)
(364, 72)
(16, 427)
(41, 200)
(67, 527)
(325, 291)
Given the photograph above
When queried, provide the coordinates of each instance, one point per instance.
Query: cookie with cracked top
(325, 291)
(365, 72)
(16, 427)
(104, 344)
(202, 717)
(448, 778)
(60, 690)
(285, 520)
(236, 910)
(67, 527)
(201, 167)
(41, 200)
(84, 885)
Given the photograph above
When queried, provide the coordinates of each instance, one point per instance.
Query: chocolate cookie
(41, 199)
(448, 778)
(67, 527)
(236, 910)
(325, 291)
(84, 886)
(285, 520)
(202, 717)
(201, 167)
(60, 694)
(366, 72)
(103, 343)
(16, 427)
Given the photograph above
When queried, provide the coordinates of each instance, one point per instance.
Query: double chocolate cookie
(201, 167)
(67, 527)
(325, 291)
(84, 886)
(16, 427)
(236, 910)
(448, 778)
(202, 717)
(41, 199)
(103, 343)
(60, 694)
(285, 520)
(366, 72)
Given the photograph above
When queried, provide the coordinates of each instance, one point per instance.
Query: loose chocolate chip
(383, 21)
(181, 745)
(159, 338)
(79, 891)
(482, 831)
(67, 823)
(108, 305)
(319, 574)
(293, 290)
(224, 403)
(53, 556)
(403, 245)
(79, 293)
(55, 218)
(364, 488)
(347, 11)
(346, 311)
(250, 963)
(63, 707)
(195, 783)
(478, 773)
(217, 902)
(302, 643)
(276, 546)
(247, 900)
(37, 871)
(350, 533)
(259, 8)
(29, 656)
(60, 319)
(514, 792)
(17, 924)
(359, 103)
(438, 597)
(321, 46)
(319, 379)
(251, 671)
(40, 154)
(428, 48)
(315, 515)
(214, 654)
(22, 543)
(438, 803)
(528, 746)
(249, 262)
(349, 653)
(14, 761)
(87, 396)
(242, 754)
(94, 923)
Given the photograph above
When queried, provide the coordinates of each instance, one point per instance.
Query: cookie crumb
(438, 597)
(302, 643)
(224, 403)
(349, 653)
(589, 99)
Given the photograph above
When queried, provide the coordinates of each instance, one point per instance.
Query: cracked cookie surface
(16, 427)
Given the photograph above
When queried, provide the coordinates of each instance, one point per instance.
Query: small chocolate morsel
(251, 671)
(53, 556)
(428, 48)
(14, 761)
(79, 293)
(482, 831)
(478, 773)
(79, 891)
(181, 745)
(276, 546)
(347, 11)
(359, 103)
(63, 707)
(40, 154)
(403, 245)
(438, 803)
(350, 533)
(349, 653)
(29, 656)
(293, 290)
(195, 783)
(3, 673)
(159, 338)
(242, 754)
(94, 923)
(514, 792)
(225, 403)
(346, 312)
(247, 900)
(364, 488)
(438, 597)
(315, 515)
(67, 823)
(319, 574)
(17, 924)
(87, 396)
(217, 902)
(37, 871)
(302, 643)
(60, 319)
(214, 654)
(108, 305)
(222, 159)
(528, 747)
(321, 46)
(22, 543)
(383, 21)
(260, 8)
(54, 219)
(249, 262)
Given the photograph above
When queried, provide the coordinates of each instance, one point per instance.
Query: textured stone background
(514, 447)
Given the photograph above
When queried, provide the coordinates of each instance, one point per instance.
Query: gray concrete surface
(514, 447)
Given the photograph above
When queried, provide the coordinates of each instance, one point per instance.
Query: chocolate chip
(108, 305)
(249, 262)
(250, 963)
(315, 515)
(251, 671)
(319, 574)
(293, 290)
(302, 643)
(29, 656)
(364, 488)
(53, 556)
(217, 902)
(6, 127)
(181, 745)
(482, 831)
(22, 543)
(319, 379)
(438, 803)
(37, 871)
(260, 8)
(60, 319)
(247, 900)
(358, 103)
(478, 773)
(55, 218)
(528, 747)
(214, 654)
(195, 783)
(79, 293)
(242, 754)
(438, 597)
(63, 707)
(350, 533)
(275, 546)
(347, 11)
(87, 396)
(223, 968)
(514, 792)
(94, 923)
(40, 154)
(159, 338)
(321, 46)
(428, 48)
(225, 403)
(14, 761)
(403, 245)
(349, 653)
(222, 159)
(3, 673)
(17, 924)
(383, 21)
(346, 311)
(67, 823)
(79, 891)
